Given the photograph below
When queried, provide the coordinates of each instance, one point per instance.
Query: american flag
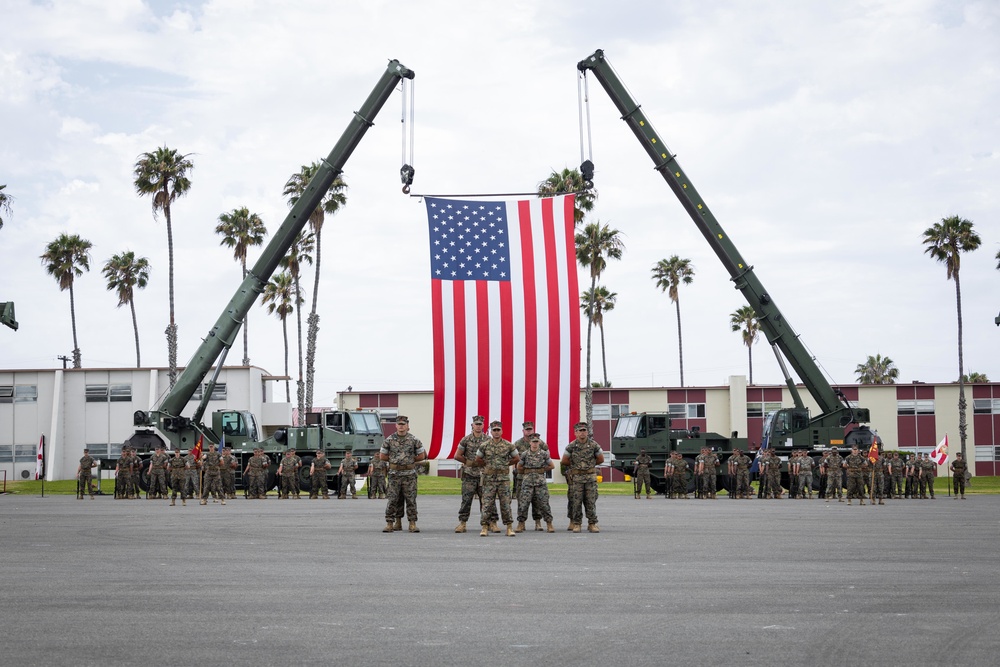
(505, 297)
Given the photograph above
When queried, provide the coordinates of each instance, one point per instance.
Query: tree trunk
(313, 325)
(284, 330)
(77, 357)
(246, 321)
(172, 326)
(589, 391)
(750, 358)
(962, 423)
(300, 391)
(135, 329)
(680, 341)
(604, 356)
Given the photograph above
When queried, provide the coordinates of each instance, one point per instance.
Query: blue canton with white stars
(469, 240)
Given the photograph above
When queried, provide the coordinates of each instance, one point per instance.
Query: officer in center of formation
(739, 474)
(402, 450)
(496, 455)
(533, 465)
(958, 469)
(212, 484)
(854, 464)
(157, 474)
(641, 473)
(472, 473)
(832, 467)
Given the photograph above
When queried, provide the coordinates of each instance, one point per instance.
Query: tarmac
(294, 582)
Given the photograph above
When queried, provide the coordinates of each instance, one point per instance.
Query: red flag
(940, 454)
(197, 448)
(40, 463)
(873, 451)
(504, 297)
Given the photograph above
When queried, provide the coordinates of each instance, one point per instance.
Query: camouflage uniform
(642, 463)
(958, 469)
(256, 471)
(773, 472)
(534, 488)
(928, 470)
(496, 454)
(741, 466)
(317, 478)
(472, 476)
(403, 451)
(897, 476)
(583, 461)
(191, 465)
(376, 477)
(288, 468)
(136, 465)
(699, 464)
(212, 485)
(227, 466)
(177, 465)
(123, 471)
(855, 464)
(834, 483)
(521, 445)
(158, 474)
(678, 476)
(912, 482)
(806, 465)
(348, 468)
(85, 480)
(710, 463)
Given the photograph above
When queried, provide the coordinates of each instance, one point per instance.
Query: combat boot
(849, 501)
(460, 528)
(648, 497)
(494, 528)
(398, 525)
(592, 528)
(549, 527)
(204, 502)
(520, 527)
(881, 502)
(510, 531)
(223, 501)
(485, 531)
(173, 502)
(538, 524)
(184, 502)
(575, 528)
(637, 496)
(413, 527)
(388, 527)
(861, 502)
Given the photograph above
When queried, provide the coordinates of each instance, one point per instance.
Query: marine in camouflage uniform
(177, 466)
(854, 464)
(348, 469)
(806, 465)
(123, 468)
(135, 473)
(678, 476)
(84, 478)
(958, 469)
(739, 471)
(496, 455)
(376, 478)
(534, 489)
(709, 473)
(191, 466)
(699, 466)
(897, 476)
(928, 470)
(773, 472)
(256, 474)
(403, 451)
(317, 476)
(641, 472)
(521, 444)
(834, 486)
(212, 485)
(288, 470)
(912, 483)
(157, 473)
(582, 456)
(227, 466)
(882, 479)
(472, 474)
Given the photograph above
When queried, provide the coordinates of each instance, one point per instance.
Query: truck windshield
(628, 426)
(366, 423)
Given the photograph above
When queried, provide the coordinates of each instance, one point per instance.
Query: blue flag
(755, 466)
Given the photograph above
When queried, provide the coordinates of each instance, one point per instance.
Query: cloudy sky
(825, 136)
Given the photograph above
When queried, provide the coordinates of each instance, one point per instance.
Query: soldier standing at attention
(403, 451)
(854, 463)
(521, 444)
(212, 484)
(122, 483)
(135, 466)
(256, 474)
(928, 470)
(773, 474)
(958, 469)
(191, 466)
(897, 475)
(534, 489)
(317, 476)
(472, 474)
(583, 455)
(496, 455)
(84, 479)
(642, 463)
(227, 466)
(348, 468)
(177, 466)
(739, 471)
(805, 468)
(709, 473)
(157, 473)
(376, 478)
(288, 470)
(834, 485)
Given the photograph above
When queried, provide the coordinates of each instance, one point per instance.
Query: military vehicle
(333, 431)
(837, 424)
(7, 315)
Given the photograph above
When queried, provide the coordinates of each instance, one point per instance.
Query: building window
(989, 453)
(608, 411)
(20, 393)
(986, 406)
(923, 407)
(219, 393)
(761, 409)
(120, 392)
(25, 453)
(105, 451)
(388, 415)
(6, 453)
(687, 410)
(96, 393)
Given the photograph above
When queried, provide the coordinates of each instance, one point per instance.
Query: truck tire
(144, 477)
(305, 480)
(690, 476)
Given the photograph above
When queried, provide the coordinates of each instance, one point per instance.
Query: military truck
(837, 424)
(334, 431)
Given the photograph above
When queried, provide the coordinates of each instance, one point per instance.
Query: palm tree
(601, 301)
(163, 174)
(946, 241)
(241, 230)
(668, 275)
(124, 272)
(299, 253)
(977, 378)
(5, 200)
(877, 370)
(569, 181)
(334, 198)
(64, 259)
(595, 243)
(998, 259)
(279, 298)
(744, 320)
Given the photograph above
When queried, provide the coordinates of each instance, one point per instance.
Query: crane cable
(406, 171)
(586, 143)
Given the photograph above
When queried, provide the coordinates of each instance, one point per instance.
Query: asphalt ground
(725, 582)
